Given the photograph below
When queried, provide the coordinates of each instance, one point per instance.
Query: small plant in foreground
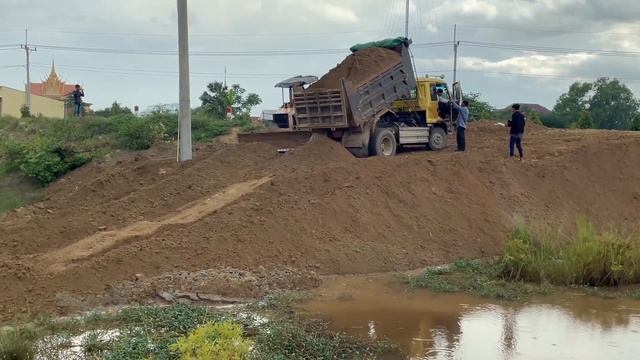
(214, 341)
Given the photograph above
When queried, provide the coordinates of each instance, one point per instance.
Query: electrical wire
(549, 49)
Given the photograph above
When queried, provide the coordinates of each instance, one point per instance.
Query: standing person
(78, 94)
(461, 124)
(516, 133)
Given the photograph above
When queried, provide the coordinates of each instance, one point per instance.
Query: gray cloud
(307, 24)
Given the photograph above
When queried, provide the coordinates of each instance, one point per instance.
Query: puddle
(457, 326)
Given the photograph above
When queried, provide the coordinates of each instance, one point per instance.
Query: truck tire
(437, 138)
(383, 143)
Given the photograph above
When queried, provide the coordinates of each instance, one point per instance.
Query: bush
(139, 133)
(214, 341)
(588, 258)
(42, 159)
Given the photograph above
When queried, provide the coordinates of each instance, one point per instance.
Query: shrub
(42, 159)
(139, 133)
(214, 341)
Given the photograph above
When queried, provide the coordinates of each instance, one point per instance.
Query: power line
(11, 66)
(550, 49)
(509, 28)
(300, 52)
(281, 34)
(532, 75)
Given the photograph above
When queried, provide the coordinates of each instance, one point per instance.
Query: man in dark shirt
(516, 133)
(77, 100)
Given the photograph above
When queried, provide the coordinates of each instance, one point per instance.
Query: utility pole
(406, 21)
(27, 50)
(185, 151)
(455, 52)
(225, 76)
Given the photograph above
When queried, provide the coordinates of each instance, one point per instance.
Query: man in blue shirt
(461, 124)
(78, 94)
(516, 131)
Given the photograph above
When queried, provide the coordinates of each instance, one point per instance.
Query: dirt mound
(315, 209)
(358, 67)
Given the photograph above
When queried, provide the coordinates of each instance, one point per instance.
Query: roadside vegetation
(183, 332)
(37, 151)
(540, 262)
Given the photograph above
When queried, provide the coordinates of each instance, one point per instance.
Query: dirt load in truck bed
(241, 215)
(358, 68)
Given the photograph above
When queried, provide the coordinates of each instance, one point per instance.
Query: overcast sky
(500, 73)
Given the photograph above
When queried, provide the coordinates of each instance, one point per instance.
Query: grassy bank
(182, 332)
(540, 262)
(42, 149)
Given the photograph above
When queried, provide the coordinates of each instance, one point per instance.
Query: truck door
(457, 92)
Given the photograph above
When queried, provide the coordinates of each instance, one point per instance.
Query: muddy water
(453, 326)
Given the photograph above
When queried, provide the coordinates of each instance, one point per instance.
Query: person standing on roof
(461, 124)
(78, 94)
(516, 132)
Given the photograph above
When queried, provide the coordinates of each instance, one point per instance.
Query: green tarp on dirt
(386, 43)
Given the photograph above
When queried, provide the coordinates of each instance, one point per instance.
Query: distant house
(54, 87)
(12, 100)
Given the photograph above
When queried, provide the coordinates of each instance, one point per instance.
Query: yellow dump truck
(391, 108)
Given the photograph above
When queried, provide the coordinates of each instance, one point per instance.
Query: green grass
(17, 344)
(479, 278)
(603, 264)
(587, 258)
(166, 333)
(43, 149)
(17, 190)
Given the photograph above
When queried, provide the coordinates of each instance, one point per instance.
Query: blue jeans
(515, 140)
(77, 109)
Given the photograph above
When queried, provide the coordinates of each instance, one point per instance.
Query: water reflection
(438, 327)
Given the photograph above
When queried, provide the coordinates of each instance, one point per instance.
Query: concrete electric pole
(27, 50)
(185, 151)
(456, 43)
(406, 21)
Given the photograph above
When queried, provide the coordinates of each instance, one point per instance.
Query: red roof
(41, 89)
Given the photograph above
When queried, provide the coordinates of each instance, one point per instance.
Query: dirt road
(316, 209)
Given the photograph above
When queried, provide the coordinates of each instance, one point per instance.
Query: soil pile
(315, 209)
(358, 68)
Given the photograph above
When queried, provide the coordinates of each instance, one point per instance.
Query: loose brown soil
(358, 68)
(315, 210)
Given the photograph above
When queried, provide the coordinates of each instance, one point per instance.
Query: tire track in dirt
(62, 259)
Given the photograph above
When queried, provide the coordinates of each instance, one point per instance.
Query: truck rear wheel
(437, 138)
(383, 143)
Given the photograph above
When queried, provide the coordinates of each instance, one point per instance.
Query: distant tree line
(602, 104)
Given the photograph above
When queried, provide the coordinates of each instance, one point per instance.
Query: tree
(585, 121)
(635, 123)
(478, 109)
(115, 109)
(218, 97)
(612, 105)
(534, 117)
(570, 104)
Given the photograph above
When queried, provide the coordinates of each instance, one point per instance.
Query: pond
(458, 326)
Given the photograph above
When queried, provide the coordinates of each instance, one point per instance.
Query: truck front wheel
(383, 143)
(437, 138)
